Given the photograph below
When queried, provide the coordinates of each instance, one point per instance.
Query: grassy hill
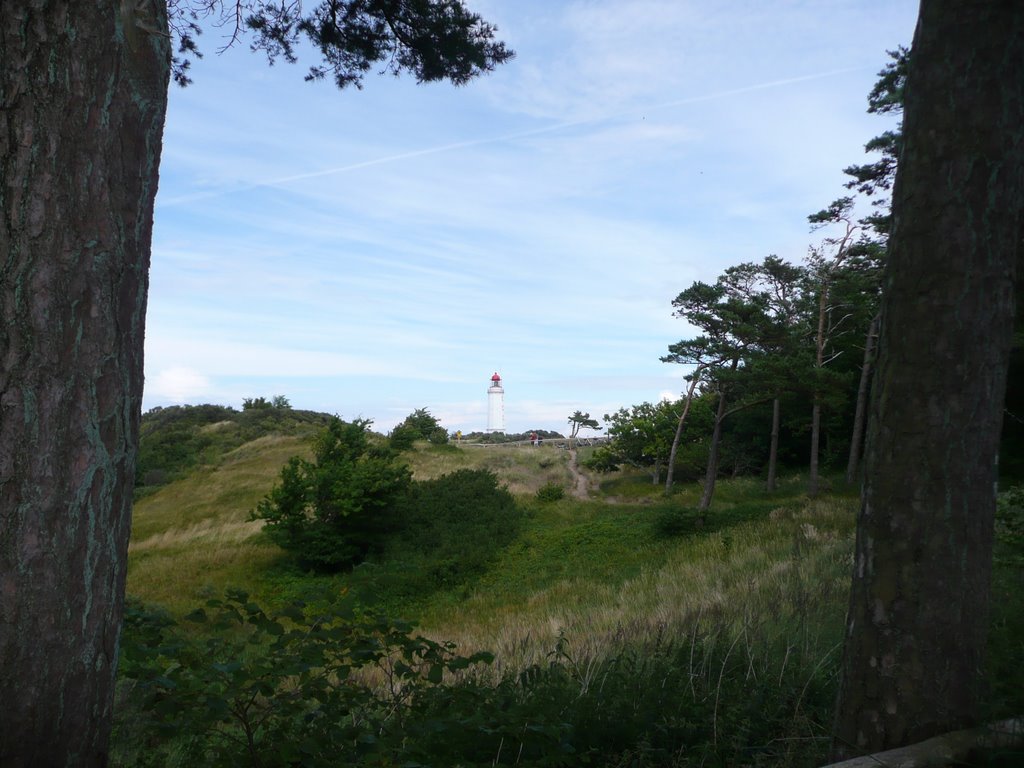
(596, 571)
(614, 620)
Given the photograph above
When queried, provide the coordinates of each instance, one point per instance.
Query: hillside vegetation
(634, 635)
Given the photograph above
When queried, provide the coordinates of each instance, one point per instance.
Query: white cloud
(178, 385)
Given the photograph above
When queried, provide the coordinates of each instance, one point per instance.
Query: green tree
(732, 326)
(333, 511)
(919, 605)
(578, 421)
(84, 94)
(418, 425)
(778, 288)
(641, 436)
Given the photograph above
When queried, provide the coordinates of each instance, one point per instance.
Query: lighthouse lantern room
(495, 405)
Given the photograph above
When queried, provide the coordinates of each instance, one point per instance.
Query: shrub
(550, 492)
(333, 511)
(454, 524)
(402, 438)
(438, 436)
(241, 687)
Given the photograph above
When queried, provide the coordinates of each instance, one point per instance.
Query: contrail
(500, 139)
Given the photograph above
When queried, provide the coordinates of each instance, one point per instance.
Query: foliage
(432, 39)
(257, 403)
(328, 685)
(550, 492)
(418, 425)
(331, 512)
(579, 420)
(239, 686)
(641, 436)
(452, 527)
(402, 438)
(179, 438)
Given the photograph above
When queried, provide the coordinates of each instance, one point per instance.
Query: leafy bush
(550, 492)
(452, 526)
(438, 436)
(243, 687)
(418, 425)
(333, 511)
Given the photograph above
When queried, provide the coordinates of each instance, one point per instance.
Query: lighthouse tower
(495, 405)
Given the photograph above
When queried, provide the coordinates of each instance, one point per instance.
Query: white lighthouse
(495, 405)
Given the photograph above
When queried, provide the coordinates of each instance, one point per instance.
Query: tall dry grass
(780, 572)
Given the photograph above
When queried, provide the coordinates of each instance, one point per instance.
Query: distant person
(533, 438)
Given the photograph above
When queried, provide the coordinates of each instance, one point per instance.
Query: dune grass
(193, 536)
(726, 631)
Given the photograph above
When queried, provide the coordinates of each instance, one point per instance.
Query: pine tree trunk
(812, 482)
(670, 470)
(919, 606)
(83, 93)
(711, 475)
(773, 454)
(862, 401)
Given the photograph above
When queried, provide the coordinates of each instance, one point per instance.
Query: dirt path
(580, 484)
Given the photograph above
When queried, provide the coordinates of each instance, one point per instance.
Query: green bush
(241, 687)
(418, 425)
(333, 511)
(438, 436)
(550, 492)
(452, 526)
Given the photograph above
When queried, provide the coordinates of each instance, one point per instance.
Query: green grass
(193, 536)
(725, 635)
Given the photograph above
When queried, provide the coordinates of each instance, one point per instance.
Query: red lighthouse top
(495, 377)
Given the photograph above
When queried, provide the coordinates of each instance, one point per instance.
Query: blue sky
(370, 252)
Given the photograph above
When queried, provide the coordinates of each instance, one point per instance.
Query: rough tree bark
(919, 606)
(83, 92)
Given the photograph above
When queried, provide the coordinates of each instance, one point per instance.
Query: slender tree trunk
(773, 453)
(812, 483)
(819, 361)
(711, 475)
(919, 606)
(670, 469)
(83, 91)
(656, 472)
(862, 401)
